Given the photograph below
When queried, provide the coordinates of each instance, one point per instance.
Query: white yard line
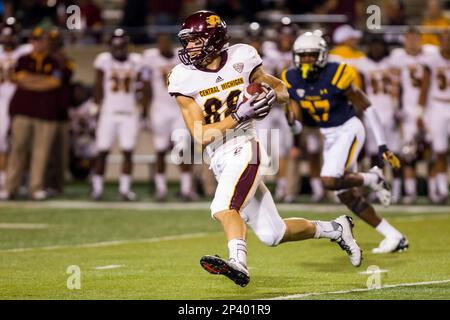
(399, 285)
(28, 226)
(109, 267)
(313, 208)
(114, 242)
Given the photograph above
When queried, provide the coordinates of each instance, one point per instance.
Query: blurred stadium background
(144, 20)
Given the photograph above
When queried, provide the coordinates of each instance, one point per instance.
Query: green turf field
(154, 254)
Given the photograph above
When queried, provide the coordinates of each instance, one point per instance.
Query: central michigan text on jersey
(217, 92)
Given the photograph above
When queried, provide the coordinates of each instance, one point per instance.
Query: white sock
(316, 186)
(369, 178)
(238, 250)
(161, 184)
(410, 187)
(97, 183)
(125, 183)
(396, 188)
(327, 229)
(2, 178)
(387, 230)
(442, 184)
(186, 183)
(432, 187)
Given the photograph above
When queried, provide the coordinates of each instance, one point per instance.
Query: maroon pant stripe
(246, 180)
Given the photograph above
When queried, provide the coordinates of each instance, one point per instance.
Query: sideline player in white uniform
(9, 54)
(377, 84)
(309, 139)
(118, 73)
(438, 90)
(325, 89)
(207, 86)
(165, 117)
(273, 64)
(406, 64)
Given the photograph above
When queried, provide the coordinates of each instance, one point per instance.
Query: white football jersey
(440, 77)
(160, 67)
(276, 59)
(119, 81)
(411, 74)
(217, 92)
(377, 82)
(8, 60)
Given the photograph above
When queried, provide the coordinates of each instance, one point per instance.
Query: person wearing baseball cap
(346, 40)
(34, 113)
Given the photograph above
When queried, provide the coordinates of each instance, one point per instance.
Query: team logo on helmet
(208, 27)
(238, 67)
(213, 21)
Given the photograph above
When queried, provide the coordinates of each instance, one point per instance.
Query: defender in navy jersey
(324, 90)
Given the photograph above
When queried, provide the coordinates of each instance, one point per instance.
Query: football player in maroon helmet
(208, 86)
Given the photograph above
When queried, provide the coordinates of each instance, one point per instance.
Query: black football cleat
(232, 270)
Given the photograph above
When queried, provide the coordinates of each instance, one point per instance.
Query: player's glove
(246, 110)
(385, 154)
(296, 127)
(271, 95)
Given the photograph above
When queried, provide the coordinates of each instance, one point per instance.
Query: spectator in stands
(394, 16)
(91, 16)
(34, 111)
(165, 12)
(434, 18)
(134, 20)
(35, 12)
(58, 162)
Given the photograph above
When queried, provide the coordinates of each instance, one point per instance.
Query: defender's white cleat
(381, 187)
(347, 241)
(390, 245)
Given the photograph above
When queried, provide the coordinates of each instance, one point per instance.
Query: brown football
(254, 88)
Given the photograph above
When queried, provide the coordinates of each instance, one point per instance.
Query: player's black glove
(385, 154)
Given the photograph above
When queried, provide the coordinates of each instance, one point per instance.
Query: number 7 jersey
(217, 92)
(323, 97)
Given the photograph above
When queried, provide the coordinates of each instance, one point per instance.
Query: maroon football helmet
(208, 26)
(118, 43)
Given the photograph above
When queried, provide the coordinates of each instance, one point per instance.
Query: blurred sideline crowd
(51, 125)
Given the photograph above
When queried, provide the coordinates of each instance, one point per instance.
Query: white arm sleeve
(375, 124)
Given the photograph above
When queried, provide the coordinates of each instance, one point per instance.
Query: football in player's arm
(208, 86)
(193, 113)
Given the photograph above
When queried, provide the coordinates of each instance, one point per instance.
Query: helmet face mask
(310, 44)
(205, 27)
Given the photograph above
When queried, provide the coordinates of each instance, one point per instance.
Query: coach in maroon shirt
(34, 110)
